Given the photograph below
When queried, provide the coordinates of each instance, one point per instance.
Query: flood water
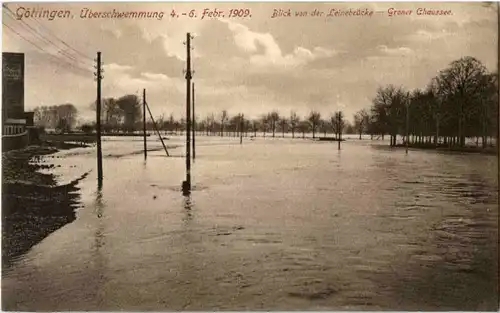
(273, 224)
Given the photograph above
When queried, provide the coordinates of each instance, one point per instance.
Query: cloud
(258, 64)
(155, 76)
(117, 67)
(424, 35)
(400, 51)
(270, 53)
(250, 41)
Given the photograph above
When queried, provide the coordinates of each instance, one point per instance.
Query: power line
(14, 31)
(64, 43)
(50, 33)
(37, 34)
(43, 50)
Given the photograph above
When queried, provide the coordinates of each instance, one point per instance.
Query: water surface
(273, 224)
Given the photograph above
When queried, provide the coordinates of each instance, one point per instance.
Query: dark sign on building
(12, 85)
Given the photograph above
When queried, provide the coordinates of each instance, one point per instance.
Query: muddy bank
(33, 205)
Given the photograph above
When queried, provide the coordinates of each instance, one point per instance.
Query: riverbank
(467, 149)
(33, 205)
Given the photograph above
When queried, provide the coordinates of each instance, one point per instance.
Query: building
(16, 124)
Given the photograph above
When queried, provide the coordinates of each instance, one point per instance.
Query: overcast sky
(250, 65)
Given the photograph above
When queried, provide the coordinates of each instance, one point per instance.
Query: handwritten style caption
(89, 14)
(215, 13)
(357, 12)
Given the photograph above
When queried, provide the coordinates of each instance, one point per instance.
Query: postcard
(261, 156)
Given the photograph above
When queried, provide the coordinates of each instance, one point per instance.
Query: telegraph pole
(98, 120)
(407, 122)
(186, 185)
(340, 128)
(194, 128)
(144, 123)
(241, 129)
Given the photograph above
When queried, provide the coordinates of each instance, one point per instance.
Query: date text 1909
(214, 13)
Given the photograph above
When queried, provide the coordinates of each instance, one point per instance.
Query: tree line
(271, 124)
(125, 115)
(122, 114)
(460, 102)
(60, 117)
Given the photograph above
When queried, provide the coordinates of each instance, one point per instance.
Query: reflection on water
(98, 202)
(278, 225)
(98, 258)
(188, 207)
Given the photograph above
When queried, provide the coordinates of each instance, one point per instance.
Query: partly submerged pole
(241, 129)
(194, 126)
(407, 123)
(144, 123)
(186, 185)
(340, 128)
(98, 122)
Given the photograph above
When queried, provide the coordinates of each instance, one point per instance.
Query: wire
(46, 40)
(64, 43)
(31, 42)
(50, 33)
(41, 49)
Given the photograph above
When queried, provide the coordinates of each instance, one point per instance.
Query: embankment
(33, 205)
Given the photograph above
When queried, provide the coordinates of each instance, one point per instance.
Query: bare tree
(283, 124)
(361, 119)
(303, 127)
(389, 108)
(314, 118)
(61, 117)
(264, 122)
(294, 121)
(223, 120)
(459, 84)
(132, 110)
(255, 127)
(338, 124)
(323, 125)
(273, 118)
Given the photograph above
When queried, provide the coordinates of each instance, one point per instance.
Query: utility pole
(144, 123)
(194, 128)
(241, 129)
(98, 121)
(186, 185)
(407, 122)
(340, 128)
(498, 78)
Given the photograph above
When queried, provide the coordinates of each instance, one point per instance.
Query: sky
(250, 65)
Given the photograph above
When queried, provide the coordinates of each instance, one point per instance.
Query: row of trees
(270, 124)
(60, 117)
(121, 114)
(460, 102)
(125, 114)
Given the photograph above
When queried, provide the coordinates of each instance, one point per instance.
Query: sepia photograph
(250, 156)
